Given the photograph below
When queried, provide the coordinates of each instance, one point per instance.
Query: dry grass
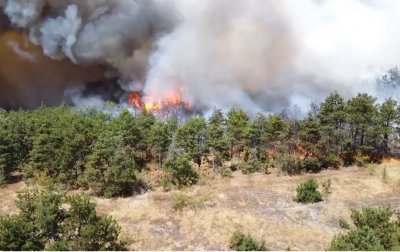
(258, 204)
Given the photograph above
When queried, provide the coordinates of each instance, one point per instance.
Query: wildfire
(298, 151)
(134, 99)
(150, 102)
(390, 160)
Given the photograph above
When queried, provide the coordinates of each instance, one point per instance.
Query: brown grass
(258, 204)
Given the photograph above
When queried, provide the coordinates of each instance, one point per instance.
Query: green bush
(242, 242)
(374, 229)
(331, 161)
(247, 167)
(307, 192)
(384, 175)
(378, 219)
(180, 201)
(16, 233)
(49, 220)
(291, 164)
(182, 173)
(360, 239)
(252, 166)
(344, 224)
(166, 184)
(326, 186)
(224, 171)
(312, 164)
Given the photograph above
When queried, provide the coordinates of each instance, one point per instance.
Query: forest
(110, 154)
(105, 152)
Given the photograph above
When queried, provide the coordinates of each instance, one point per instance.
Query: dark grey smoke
(259, 55)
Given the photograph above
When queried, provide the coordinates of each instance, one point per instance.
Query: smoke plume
(258, 55)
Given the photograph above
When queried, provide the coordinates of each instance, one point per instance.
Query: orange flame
(299, 151)
(390, 160)
(151, 103)
(134, 99)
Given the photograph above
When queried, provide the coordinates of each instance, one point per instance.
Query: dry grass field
(259, 204)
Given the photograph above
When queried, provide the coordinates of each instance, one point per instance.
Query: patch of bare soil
(8, 195)
(259, 204)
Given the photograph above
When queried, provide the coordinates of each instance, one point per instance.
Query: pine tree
(216, 140)
(160, 139)
(190, 137)
(237, 129)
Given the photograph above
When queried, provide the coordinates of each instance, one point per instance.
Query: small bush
(384, 176)
(326, 186)
(242, 242)
(180, 201)
(361, 160)
(307, 192)
(331, 161)
(166, 184)
(290, 164)
(247, 167)
(51, 220)
(182, 173)
(363, 239)
(375, 229)
(371, 168)
(344, 224)
(224, 171)
(252, 166)
(312, 164)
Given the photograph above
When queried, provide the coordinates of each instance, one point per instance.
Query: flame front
(390, 160)
(151, 102)
(134, 99)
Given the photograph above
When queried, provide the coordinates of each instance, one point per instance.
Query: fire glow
(390, 160)
(151, 102)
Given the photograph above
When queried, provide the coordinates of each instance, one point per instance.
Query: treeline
(105, 152)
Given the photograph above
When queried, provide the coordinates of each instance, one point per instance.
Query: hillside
(259, 204)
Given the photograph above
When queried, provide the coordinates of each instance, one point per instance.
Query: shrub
(307, 192)
(371, 168)
(16, 233)
(182, 173)
(252, 166)
(344, 224)
(166, 184)
(330, 160)
(247, 167)
(242, 242)
(48, 220)
(384, 176)
(374, 230)
(180, 201)
(224, 171)
(378, 219)
(326, 186)
(291, 164)
(363, 239)
(312, 164)
(361, 160)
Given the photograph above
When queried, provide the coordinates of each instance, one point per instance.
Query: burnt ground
(259, 204)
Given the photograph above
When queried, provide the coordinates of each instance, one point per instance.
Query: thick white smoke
(258, 55)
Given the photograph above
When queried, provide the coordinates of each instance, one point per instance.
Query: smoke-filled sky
(258, 55)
